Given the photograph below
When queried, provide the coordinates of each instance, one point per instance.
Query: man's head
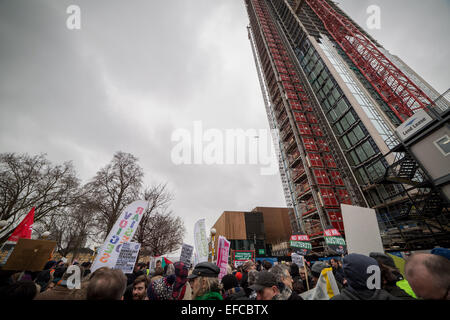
(281, 273)
(106, 284)
(266, 286)
(429, 276)
(158, 263)
(140, 286)
(357, 271)
(334, 263)
(204, 278)
(248, 265)
(317, 269)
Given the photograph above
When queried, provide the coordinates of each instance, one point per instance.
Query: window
(341, 106)
(361, 154)
(336, 94)
(346, 142)
(358, 132)
(363, 175)
(443, 145)
(352, 137)
(368, 149)
(350, 118)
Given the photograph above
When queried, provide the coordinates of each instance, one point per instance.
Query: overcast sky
(138, 70)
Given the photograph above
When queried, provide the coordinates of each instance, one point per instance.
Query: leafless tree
(114, 187)
(71, 227)
(159, 232)
(32, 181)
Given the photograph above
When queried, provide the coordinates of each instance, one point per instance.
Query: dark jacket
(295, 296)
(237, 293)
(349, 294)
(398, 292)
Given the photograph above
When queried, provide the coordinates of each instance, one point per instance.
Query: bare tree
(32, 181)
(71, 227)
(114, 187)
(159, 232)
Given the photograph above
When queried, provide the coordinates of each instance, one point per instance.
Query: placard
(30, 255)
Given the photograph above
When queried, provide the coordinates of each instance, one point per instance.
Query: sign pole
(306, 273)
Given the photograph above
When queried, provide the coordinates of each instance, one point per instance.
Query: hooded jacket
(355, 267)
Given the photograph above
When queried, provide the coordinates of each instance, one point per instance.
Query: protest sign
(201, 243)
(123, 231)
(126, 260)
(334, 241)
(30, 255)
(186, 254)
(325, 289)
(297, 259)
(362, 232)
(301, 244)
(223, 251)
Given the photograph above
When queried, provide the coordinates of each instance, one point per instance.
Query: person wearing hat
(316, 269)
(391, 279)
(356, 276)
(205, 282)
(266, 286)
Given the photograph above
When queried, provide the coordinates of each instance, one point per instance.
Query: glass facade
(360, 149)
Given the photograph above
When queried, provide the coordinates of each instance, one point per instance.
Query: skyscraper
(334, 97)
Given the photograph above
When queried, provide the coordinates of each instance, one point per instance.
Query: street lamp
(213, 239)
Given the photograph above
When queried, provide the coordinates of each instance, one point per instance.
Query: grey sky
(138, 70)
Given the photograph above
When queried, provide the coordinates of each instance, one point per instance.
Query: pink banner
(223, 251)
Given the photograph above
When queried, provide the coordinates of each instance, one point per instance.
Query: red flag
(23, 230)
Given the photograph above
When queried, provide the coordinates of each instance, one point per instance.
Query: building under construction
(335, 98)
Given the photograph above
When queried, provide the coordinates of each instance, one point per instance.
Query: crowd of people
(427, 276)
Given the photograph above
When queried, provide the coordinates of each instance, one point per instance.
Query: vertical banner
(127, 257)
(186, 254)
(201, 243)
(223, 251)
(123, 231)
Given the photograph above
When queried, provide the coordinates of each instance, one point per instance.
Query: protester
(157, 274)
(356, 274)
(60, 291)
(316, 269)
(297, 281)
(140, 286)
(429, 276)
(284, 282)
(205, 284)
(231, 288)
(337, 271)
(306, 277)
(137, 271)
(20, 290)
(171, 287)
(106, 284)
(391, 279)
(267, 265)
(169, 269)
(246, 267)
(266, 287)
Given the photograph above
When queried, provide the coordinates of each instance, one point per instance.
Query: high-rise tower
(335, 96)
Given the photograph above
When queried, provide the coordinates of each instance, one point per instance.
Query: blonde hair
(209, 284)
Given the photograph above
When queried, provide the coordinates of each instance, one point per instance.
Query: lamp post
(213, 239)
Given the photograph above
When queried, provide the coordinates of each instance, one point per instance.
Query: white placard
(126, 260)
(186, 254)
(362, 232)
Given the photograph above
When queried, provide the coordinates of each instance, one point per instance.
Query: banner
(325, 289)
(123, 231)
(129, 252)
(186, 254)
(223, 251)
(24, 229)
(334, 241)
(301, 244)
(201, 242)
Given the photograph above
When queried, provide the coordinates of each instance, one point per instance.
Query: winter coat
(350, 294)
